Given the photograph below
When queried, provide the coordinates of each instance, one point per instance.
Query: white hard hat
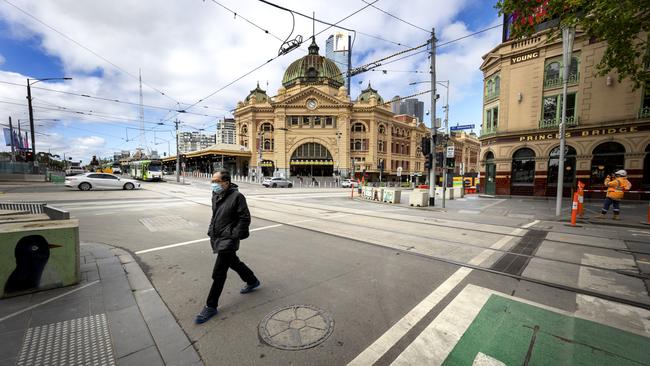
(621, 172)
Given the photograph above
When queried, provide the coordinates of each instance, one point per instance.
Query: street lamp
(31, 82)
(338, 151)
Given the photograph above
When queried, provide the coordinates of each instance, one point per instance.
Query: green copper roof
(313, 69)
(259, 94)
(366, 93)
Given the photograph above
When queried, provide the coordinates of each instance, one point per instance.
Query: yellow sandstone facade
(313, 128)
(608, 123)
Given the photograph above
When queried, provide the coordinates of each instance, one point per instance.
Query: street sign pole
(434, 131)
(568, 34)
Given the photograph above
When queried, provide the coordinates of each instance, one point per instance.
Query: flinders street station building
(313, 128)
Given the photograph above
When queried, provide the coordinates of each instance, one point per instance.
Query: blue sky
(190, 55)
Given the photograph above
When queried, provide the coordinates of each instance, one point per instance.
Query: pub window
(491, 118)
(523, 166)
(488, 87)
(552, 110)
(306, 121)
(569, 165)
(608, 157)
(497, 84)
(645, 103)
(552, 72)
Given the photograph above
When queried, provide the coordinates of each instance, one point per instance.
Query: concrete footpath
(114, 316)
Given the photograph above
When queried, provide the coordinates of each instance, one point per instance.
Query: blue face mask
(217, 188)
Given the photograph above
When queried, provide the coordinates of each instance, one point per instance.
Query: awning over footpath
(216, 150)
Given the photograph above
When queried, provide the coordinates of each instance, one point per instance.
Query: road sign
(461, 127)
(183, 165)
(450, 152)
(399, 171)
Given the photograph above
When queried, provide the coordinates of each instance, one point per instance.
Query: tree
(623, 24)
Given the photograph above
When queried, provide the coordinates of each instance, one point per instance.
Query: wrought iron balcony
(491, 95)
(555, 122)
(557, 82)
(644, 112)
(488, 131)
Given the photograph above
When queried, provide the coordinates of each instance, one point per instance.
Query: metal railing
(644, 112)
(557, 82)
(555, 122)
(31, 207)
(491, 95)
(489, 131)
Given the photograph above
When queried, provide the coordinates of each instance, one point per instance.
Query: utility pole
(568, 34)
(434, 130)
(178, 158)
(31, 116)
(349, 62)
(11, 137)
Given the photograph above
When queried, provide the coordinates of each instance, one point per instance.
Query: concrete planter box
(367, 192)
(38, 255)
(419, 198)
(392, 195)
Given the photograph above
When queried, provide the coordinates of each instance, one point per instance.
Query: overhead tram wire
(396, 17)
(258, 67)
(406, 97)
(108, 99)
(88, 49)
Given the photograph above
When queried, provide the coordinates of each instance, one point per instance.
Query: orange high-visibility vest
(616, 187)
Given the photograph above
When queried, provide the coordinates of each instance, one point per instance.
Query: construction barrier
(574, 209)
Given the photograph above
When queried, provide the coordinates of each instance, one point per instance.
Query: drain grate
(165, 223)
(296, 327)
(528, 245)
(82, 341)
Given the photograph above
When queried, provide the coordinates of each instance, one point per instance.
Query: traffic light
(428, 163)
(426, 146)
(29, 156)
(440, 158)
(451, 162)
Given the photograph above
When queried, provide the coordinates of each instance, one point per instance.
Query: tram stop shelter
(231, 157)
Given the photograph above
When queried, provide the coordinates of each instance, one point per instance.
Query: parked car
(88, 181)
(277, 182)
(349, 183)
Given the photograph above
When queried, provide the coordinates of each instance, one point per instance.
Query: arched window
(523, 167)
(488, 87)
(244, 130)
(569, 165)
(357, 145)
(358, 127)
(608, 157)
(489, 156)
(382, 130)
(552, 72)
(268, 144)
(497, 84)
(381, 145)
(266, 127)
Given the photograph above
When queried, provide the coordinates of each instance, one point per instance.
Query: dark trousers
(610, 202)
(220, 272)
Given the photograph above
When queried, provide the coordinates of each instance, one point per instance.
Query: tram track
(520, 277)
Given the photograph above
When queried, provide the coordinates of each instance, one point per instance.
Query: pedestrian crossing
(109, 207)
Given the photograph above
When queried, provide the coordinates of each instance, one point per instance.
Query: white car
(88, 181)
(74, 171)
(277, 182)
(349, 183)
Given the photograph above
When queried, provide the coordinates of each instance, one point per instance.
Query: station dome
(313, 69)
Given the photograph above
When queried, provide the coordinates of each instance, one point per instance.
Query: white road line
(195, 241)
(530, 224)
(46, 301)
(491, 204)
(376, 350)
(387, 340)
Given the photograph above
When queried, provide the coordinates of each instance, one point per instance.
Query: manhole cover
(296, 327)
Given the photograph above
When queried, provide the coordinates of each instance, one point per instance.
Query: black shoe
(248, 288)
(205, 315)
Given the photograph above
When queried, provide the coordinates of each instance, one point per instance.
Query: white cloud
(2, 60)
(192, 48)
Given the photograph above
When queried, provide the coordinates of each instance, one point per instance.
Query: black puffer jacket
(230, 220)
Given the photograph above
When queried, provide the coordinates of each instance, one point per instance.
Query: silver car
(277, 182)
(88, 181)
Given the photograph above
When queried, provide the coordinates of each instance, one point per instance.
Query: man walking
(229, 224)
(615, 190)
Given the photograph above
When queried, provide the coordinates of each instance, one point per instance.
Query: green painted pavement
(516, 333)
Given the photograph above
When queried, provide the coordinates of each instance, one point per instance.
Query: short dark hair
(225, 175)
